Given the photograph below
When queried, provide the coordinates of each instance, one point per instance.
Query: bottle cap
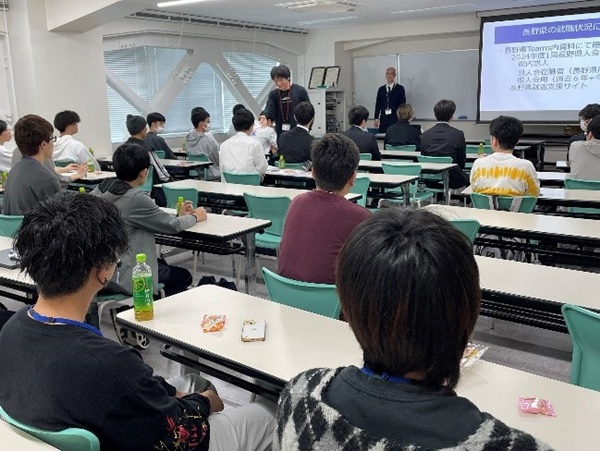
(140, 258)
(180, 199)
(82, 189)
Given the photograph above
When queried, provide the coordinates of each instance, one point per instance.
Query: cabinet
(330, 111)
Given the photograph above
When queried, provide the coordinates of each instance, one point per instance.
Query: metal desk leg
(446, 179)
(406, 193)
(250, 259)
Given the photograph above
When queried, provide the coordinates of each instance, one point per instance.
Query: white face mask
(583, 125)
(206, 128)
(160, 129)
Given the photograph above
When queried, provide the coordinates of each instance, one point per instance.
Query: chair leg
(195, 254)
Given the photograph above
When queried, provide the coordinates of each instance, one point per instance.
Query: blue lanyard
(48, 319)
(386, 377)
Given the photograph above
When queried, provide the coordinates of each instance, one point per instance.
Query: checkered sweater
(306, 423)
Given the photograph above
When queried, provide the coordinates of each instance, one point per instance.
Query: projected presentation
(542, 69)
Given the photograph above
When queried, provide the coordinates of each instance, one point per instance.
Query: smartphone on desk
(254, 330)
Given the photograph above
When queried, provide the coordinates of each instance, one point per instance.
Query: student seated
(409, 288)
(501, 173)
(584, 156)
(143, 218)
(402, 133)
(319, 222)
(587, 113)
(58, 372)
(242, 154)
(265, 134)
(67, 147)
(200, 141)
(156, 125)
(5, 154)
(295, 144)
(443, 140)
(30, 181)
(366, 142)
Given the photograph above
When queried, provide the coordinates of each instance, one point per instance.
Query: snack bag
(213, 323)
(537, 405)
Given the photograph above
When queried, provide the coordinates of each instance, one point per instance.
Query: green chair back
(200, 157)
(172, 195)
(373, 130)
(485, 202)
(430, 159)
(9, 225)
(361, 186)
(63, 163)
(366, 156)
(318, 298)
(582, 184)
(404, 169)
(71, 439)
(474, 148)
(487, 141)
(584, 328)
(469, 227)
(294, 166)
(160, 154)
(147, 186)
(273, 209)
(408, 147)
(242, 179)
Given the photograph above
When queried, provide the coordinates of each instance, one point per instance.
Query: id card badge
(285, 127)
(388, 111)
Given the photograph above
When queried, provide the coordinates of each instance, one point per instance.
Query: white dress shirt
(5, 159)
(242, 154)
(68, 148)
(267, 137)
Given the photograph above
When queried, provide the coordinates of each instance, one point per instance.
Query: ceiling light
(323, 6)
(178, 3)
(333, 19)
(433, 8)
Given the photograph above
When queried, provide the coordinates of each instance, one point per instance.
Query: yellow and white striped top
(503, 174)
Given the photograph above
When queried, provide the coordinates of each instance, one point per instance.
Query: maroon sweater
(317, 226)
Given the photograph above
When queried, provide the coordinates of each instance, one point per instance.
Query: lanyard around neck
(386, 377)
(50, 320)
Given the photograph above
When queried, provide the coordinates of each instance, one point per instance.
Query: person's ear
(352, 179)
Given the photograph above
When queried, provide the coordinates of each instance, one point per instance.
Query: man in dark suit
(295, 144)
(443, 140)
(389, 97)
(366, 142)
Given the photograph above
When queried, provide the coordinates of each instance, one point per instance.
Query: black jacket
(402, 134)
(442, 140)
(295, 145)
(365, 141)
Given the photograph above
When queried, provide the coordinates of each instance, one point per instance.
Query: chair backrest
(63, 163)
(429, 159)
(200, 157)
(584, 328)
(404, 169)
(373, 130)
(487, 141)
(147, 186)
(242, 179)
(582, 184)
(366, 156)
(71, 439)
(273, 208)
(160, 154)
(474, 148)
(9, 224)
(294, 166)
(318, 298)
(469, 227)
(361, 186)
(508, 203)
(172, 195)
(408, 147)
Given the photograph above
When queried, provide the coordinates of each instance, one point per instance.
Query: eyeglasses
(119, 263)
(52, 138)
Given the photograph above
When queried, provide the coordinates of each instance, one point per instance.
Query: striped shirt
(503, 174)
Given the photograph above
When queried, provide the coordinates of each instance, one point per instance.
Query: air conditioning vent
(321, 6)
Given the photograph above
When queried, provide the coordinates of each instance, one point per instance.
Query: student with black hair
(200, 141)
(153, 140)
(409, 288)
(366, 142)
(584, 156)
(295, 145)
(242, 154)
(5, 154)
(68, 148)
(265, 134)
(587, 113)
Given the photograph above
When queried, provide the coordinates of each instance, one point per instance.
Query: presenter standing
(389, 97)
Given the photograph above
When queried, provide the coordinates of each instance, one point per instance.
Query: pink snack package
(537, 405)
(213, 323)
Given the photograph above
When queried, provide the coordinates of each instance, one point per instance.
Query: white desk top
(550, 176)
(12, 438)
(97, 176)
(391, 180)
(298, 340)
(13, 275)
(224, 227)
(570, 194)
(539, 282)
(186, 164)
(528, 222)
(410, 154)
(235, 190)
(426, 167)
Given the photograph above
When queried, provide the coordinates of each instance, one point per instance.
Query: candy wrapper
(471, 355)
(537, 405)
(213, 323)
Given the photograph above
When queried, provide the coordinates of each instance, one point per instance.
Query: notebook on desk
(6, 262)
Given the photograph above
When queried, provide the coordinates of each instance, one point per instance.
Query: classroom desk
(551, 178)
(94, 178)
(535, 145)
(185, 164)
(377, 180)
(547, 231)
(16, 280)
(413, 155)
(213, 236)
(562, 165)
(426, 168)
(12, 438)
(298, 340)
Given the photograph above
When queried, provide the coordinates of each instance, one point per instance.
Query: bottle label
(142, 293)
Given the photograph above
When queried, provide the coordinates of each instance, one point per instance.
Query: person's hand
(71, 167)
(376, 123)
(216, 403)
(200, 214)
(186, 208)
(180, 394)
(81, 172)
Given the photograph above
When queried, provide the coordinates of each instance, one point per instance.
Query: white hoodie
(584, 160)
(68, 148)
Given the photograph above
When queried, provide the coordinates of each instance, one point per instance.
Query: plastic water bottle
(90, 164)
(480, 150)
(179, 205)
(143, 300)
(281, 162)
(81, 190)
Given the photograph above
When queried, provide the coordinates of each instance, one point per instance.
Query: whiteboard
(369, 75)
(426, 77)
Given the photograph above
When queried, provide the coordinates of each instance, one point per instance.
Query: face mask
(583, 125)
(207, 128)
(160, 129)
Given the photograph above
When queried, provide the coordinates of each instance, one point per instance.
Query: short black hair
(281, 71)
(242, 120)
(507, 130)
(199, 114)
(237, 108)
(267, 115)
(304, 112)
(590, 111)
(63, 238)
(129, 160)
(409, 288)
(155, 117)
(335, 158)
(594, 127)
(444, 110)
(3, 126)
(30, 132)
(357, 114)
(65, 118)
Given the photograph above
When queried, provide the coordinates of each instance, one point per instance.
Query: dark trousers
(159, 197)
(174, 278)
